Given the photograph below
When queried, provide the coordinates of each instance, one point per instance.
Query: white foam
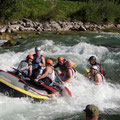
(110, 61)
(2, 41)
(100, 36)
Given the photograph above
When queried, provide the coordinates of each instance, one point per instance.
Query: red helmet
(49, 61)
(30, 57)
(60, 58)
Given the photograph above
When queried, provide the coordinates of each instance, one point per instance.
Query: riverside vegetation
(93, 11)
(59, 15)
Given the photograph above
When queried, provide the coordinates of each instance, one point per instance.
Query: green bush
(95, 11)
(100, 12)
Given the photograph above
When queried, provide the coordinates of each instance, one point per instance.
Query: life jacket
(93, 78)
(100, 69)
(24, 67)
(62, 67)
(39, 72)
(36, 61)
(51, 76)
(66, 75)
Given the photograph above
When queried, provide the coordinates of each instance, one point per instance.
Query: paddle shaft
(65, 86)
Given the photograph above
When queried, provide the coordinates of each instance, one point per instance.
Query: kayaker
(91, 112)
(92, 61)
(38, 62)
(97, 77)
(69, 72)
(48, 77)
(25, 66)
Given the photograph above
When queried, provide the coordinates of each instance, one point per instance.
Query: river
(77, 46)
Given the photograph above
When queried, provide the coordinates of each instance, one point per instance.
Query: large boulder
(118, 25)
(55, 26)
(3, 29)
(4, 36)
(65, 26)
(46, 26)
(13, 22)
(13, 28)
(28, 23)
(10, 43)
(27, 28)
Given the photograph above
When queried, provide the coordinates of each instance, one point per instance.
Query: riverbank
(29, 25)
(13, 30)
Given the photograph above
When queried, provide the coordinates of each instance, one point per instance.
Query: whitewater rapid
(105, 96)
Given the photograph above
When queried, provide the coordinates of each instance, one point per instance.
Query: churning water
(78, 47)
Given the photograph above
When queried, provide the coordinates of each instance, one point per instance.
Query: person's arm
(98, 79)
(44, 75)
(23, 65)
(30, 70)
(43, 62)
(56, 65)
(70, 74)
(89, 75)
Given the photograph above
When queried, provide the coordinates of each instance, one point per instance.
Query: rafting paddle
(87, 70)
(68, 91)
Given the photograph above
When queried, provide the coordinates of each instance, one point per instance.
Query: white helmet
(95, 67)
(37, 48)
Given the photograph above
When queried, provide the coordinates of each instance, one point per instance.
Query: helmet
(92, 58)
(30, 56)
(60, 58)
(95, 67)
(37, 48)
(49, 61)
(69, 63)
(92, 110)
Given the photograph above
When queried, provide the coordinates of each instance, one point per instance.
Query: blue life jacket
(36, 61)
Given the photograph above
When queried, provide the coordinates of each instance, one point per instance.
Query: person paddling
(92, 61)
(68, 74)
(48, 77)
(25, 66)
(38, 63)
(60, 64)
(97, 78)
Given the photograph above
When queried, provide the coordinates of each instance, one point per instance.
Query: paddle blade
(87, 70)
(66, 92)
(49, 88)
